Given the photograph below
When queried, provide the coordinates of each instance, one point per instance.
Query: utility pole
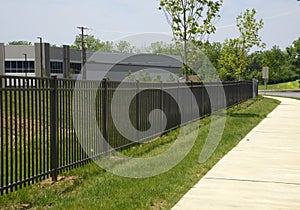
(83, 51)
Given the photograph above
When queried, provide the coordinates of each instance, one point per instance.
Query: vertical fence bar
(39, 119)
(11, 153)
(61, 122)
(74, 137)
(60, 119)
(72, 133)
(104, 115)
(6, 136)
(16, 133)
(82, 107)
(239, 92)
(202, 100)
(20, 95)
(28, 128)
(87, 111)
(53, 128)
(2, 137)
(33, 152)
(64, 114)
(24, 127)
(137, 107)
(191, 101)
(68, 105)
(178, 101)
(45, 125)
(78, 147)
(36, 119)
(162, 104)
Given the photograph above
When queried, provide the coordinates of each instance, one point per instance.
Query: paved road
(279, 93)
(261, 172)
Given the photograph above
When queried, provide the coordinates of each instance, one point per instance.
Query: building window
(31, 66)
(75, 68)
(14, 66)
(19, 66)
(7, 66)
(56, 67)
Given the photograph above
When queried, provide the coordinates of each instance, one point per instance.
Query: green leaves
(91, 42)
(94, 43)
(233, 59)
(249, 29)
(191, 21)
(232, 62)
(19, 43)
(192, 17)
(294, 56)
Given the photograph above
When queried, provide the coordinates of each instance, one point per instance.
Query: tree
(93, 43)
(282, 66)
(140, 76)
(213, 52)
(191, 21)
(280, 69)
(19, 43)
(130, 77)
(124, 47)
(157, 78)
(107, 47)
(254, 65)
(249, 29)
(233, 59)
(201, 64)
(294, 56)
(249, 37)
(163, 48)
(171, 78)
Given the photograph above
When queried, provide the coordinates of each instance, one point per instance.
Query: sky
(134, 20)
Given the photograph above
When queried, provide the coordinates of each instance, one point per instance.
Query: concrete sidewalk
(286, 93)
(262, 172)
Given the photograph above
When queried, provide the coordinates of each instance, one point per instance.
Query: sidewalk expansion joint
(250, 180)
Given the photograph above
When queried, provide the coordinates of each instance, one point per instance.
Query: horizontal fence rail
(38, 138)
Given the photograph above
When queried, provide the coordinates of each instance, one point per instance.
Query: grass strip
(90, 187)
(293, 85)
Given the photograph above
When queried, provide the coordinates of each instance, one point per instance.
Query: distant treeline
(284, 65)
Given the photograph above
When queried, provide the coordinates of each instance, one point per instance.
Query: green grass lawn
(90, 187)
(281, 86)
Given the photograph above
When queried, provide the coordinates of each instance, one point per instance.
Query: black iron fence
(38, 138)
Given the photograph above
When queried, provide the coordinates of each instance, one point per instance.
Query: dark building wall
(66, 63)
(47, 59)
(37, 66)
(2, 58)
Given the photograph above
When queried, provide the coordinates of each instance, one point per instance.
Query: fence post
(255, 88)
(238, 90)
(1, 137)
(178, 95)
(137, 106)
(162, 105)
(104, 115)
(191, 101)
(53, 129)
